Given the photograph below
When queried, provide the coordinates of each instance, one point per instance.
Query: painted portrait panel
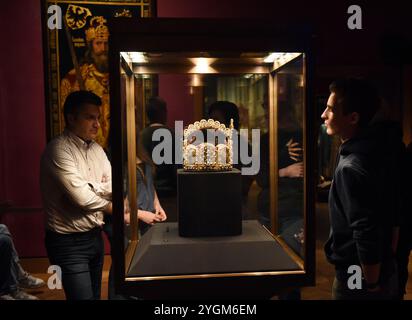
(76, 55)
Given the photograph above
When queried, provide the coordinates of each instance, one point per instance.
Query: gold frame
(199, 35)
(273, 128)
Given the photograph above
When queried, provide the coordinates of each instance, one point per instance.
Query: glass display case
(240, 217)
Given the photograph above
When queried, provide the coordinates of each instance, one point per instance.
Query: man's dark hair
(229, 110)
(357, 95)
(76, 100)
(156, 110)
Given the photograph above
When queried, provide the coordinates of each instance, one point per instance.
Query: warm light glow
(273, 56)
(202, 65)
(136, 57)
(280, 58)
(196, 81)
(125, 56)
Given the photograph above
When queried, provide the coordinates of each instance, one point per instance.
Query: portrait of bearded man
(92, 74)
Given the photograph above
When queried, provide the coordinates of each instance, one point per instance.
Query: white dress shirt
(75, 181)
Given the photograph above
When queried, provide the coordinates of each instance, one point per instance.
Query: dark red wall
(174, 89)
(22, 109)
(22, 126)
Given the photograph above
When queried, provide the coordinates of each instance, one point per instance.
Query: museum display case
(241, 223)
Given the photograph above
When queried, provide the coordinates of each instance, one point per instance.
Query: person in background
(165, 178)
(224, 111)
(149, 208)
(363, 227)
(290, 185)
(13, 278)
(75, 181)
(405, 235)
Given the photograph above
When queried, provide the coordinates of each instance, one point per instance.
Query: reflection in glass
(290, 154)
(264, 98)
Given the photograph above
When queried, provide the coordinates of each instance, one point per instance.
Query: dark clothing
(290, 196)
(290, 190)
(9, 278)
(238, 163)
(340, 291)
(405, 234)
(6, 249)
(364, 206)
(80, 257)
(165, 179)
(145, 193)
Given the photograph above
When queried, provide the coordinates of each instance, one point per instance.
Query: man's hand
(148, 217)
(108, 209)
(295, 153)
(293, 171)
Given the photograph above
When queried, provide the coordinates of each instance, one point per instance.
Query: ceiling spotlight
(272, 57)
(138, 57)
(202, 65)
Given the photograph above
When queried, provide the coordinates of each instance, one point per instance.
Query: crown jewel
(207, 156)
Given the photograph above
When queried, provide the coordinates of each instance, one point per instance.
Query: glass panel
(229, 86)
(125, 156)
(290, 111)
(124, 93)
(129, 164)
(249, 93)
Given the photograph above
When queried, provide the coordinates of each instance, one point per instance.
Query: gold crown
(208, 156)
(98, 30)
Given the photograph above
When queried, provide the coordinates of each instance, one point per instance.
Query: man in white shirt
(75, 182)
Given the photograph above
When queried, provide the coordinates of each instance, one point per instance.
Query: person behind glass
(290, 189)
(165, 178)
(149, 210)
(75, 180)
(224, 111)
(290, 185)
(363, 230)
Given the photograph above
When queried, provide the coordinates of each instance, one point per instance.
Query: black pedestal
(209, 203)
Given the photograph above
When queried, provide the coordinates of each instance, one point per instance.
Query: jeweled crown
(207, 156)
(98, 30)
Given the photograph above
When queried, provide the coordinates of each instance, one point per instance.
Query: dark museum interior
(188, 254)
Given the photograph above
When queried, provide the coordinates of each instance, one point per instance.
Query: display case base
(162, 252)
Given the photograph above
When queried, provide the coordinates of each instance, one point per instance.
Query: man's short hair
(229, 111)
(76, 100)
(356, 95)
(156, 110)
